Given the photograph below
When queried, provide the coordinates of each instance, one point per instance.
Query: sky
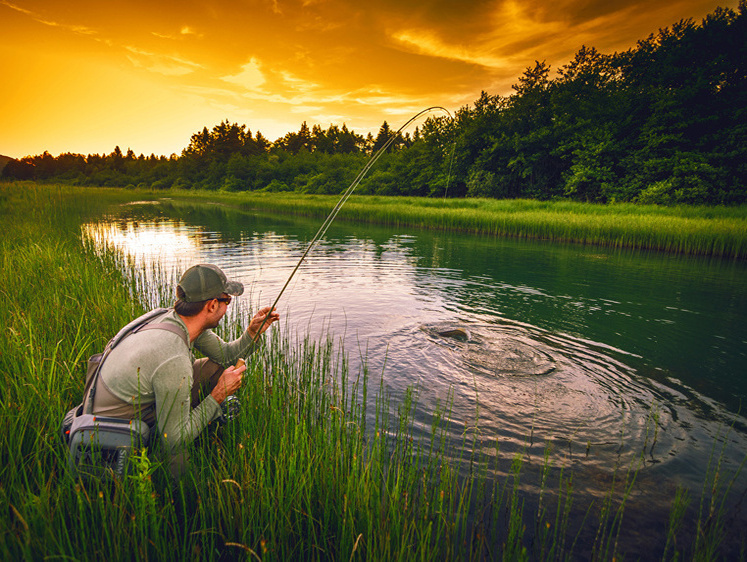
(84, 76)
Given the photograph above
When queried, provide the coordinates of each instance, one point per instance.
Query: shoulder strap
(137, 325)
(168, 327)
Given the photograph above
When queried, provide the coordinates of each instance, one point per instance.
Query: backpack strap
(169, 327)
(137, 325)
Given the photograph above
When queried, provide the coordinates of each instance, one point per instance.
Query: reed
(307, 471)
(718, 231)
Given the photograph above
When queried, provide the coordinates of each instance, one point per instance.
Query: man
(152, 374)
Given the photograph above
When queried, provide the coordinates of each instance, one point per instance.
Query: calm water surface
(604, 354)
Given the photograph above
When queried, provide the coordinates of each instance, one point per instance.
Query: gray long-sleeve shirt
(152, 371)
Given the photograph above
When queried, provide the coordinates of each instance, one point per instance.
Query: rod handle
(239, 363)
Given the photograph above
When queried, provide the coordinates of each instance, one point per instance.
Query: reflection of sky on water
(145, 242)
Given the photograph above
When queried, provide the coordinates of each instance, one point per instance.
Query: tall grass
(718, 231)
(304, 472)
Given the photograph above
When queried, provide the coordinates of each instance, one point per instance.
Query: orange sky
(84, 76)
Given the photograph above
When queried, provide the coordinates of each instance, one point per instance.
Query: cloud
(427, 42)
(306, 109)
(250, 77)
(509, 32)
(168, 65)
(376, 96)
(184, 32)
(296, 83)
(299, 96)
(17, 8)
(81, 29)
(162, 35)
(512, 34)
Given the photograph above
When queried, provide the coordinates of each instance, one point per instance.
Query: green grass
(718, 231)
(307, 471)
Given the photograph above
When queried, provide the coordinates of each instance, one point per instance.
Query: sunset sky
(85, 76)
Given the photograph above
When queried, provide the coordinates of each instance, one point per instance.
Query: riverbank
(717, 231)
(696, 230)
(304, 473)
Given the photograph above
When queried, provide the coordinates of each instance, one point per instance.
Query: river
(614, 358)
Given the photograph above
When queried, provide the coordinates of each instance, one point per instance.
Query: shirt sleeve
(224, 353)
(178, 423)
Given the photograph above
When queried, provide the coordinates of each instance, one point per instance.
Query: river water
(612, 357)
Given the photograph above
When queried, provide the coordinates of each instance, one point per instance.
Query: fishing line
(346, 194)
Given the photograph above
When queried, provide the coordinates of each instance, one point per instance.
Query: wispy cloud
(82, 29)
(184, 32)
(282, 88)
(299, 84)
(427, 42)
(168, 65)
(510, 31)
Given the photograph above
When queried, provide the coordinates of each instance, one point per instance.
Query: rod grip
(239, 363)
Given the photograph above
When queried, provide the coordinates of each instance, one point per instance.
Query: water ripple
(529, 387)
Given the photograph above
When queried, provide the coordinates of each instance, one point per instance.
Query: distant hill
(3, 161)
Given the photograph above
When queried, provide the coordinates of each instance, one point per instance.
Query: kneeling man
(153, 375)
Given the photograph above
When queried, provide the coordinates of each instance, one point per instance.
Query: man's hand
(228, 383)
(258, 318)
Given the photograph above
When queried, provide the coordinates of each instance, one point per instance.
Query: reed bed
(312, 469)
(717, 231)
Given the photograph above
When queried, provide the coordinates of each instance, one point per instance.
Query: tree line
(664, 122)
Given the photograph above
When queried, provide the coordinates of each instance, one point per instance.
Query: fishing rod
(346, 194)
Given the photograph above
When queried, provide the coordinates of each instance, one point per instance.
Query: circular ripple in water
(530, 388)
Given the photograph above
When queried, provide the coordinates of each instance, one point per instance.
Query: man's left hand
(259, 318)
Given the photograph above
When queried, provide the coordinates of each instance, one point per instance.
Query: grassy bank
(718, 231)
(305, 472)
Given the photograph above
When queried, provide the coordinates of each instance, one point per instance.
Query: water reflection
(147, 241)
(605, 355)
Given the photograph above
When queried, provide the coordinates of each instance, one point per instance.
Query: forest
(664, 122)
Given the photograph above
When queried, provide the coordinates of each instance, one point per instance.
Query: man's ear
(211, 306)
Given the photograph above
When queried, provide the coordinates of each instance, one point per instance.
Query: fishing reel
(230, 408)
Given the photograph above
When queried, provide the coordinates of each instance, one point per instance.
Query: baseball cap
(205, 281)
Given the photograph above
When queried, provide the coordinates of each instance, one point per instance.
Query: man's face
(219, 310)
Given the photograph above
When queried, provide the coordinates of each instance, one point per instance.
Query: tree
(116, 159)
(534, 164)
(385, 134)
(224, 140)
(348, 142)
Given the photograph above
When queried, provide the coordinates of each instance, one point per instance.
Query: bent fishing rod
(346, 194)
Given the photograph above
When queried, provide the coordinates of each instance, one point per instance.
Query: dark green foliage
(664, 122)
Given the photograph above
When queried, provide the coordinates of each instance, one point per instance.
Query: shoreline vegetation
(310, 470)
(699, 230)
(719, 231)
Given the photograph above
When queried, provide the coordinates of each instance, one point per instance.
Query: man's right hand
(228, 383)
